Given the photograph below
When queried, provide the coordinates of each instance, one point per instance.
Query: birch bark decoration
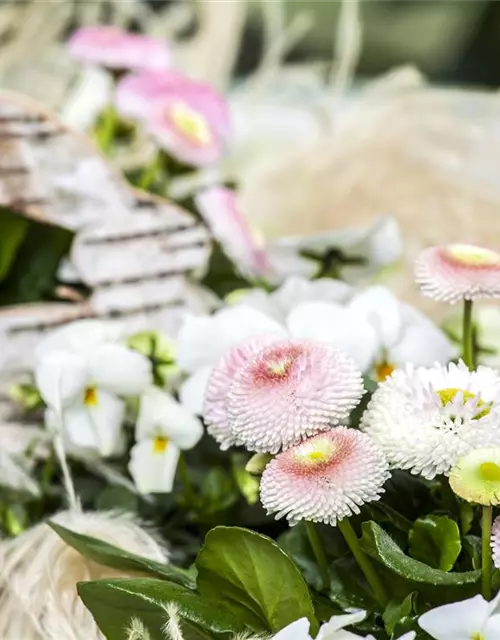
(133, 251)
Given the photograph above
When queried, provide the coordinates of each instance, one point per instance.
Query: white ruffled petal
(60, 377)
(192, 391)
(203, 340)
(120, 370)
(338, 326)
(457, 621)
(298, 630)
(160, 414)
(79, 337)
(96, 428)
(153, 466)
(382, 310)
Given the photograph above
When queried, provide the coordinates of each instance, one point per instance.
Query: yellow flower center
(490, 471)
(90, 396)
(280, 367)
(191, 123)
(383, 370)
(160, 444)
(473, 256)
(447, 395)
(317, 452)
(477, 636)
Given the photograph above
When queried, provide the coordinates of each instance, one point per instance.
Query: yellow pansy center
(383, 370)
(473, 256)
(448, 395)
(190, 123)
(314, 453)
(160, 444)
(477, 636)
(90, 396)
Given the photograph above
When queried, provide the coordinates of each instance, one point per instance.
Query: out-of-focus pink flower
(290, 390)
(218, 206)
(115, 49)
(458, 272)
(137, 93)
(325, 478)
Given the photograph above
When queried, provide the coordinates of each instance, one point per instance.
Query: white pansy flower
(331, 630)
(472, 619)
(164, 428)
(370, 325)
(82, 377)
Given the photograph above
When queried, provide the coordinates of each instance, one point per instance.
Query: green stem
(319, 554)
(467, 335)
(151, 172)
(107, 128)
(486, 552)
(364, 562)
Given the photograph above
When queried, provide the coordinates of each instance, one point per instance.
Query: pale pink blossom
(458, 272)
(136, 93)
(325, 478)
(113, 48)
(290, 390)
(218, 207)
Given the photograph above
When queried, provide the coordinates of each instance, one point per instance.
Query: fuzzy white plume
(39, 572)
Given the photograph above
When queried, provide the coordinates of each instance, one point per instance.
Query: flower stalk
(467, 335)
(364, 562)
(319, 553)
(486, 564)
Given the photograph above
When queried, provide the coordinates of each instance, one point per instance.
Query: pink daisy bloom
(136, 93)
(116, 49)
(191, 122)
(495, 542)
(219, 209)
(325, 478)
(214, 409)
(458, 272)
(290, 390)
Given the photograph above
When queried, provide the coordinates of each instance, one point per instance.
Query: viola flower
(113, 48)
(424, 420)
(219, 382)
(82, 376)
(164, 428)
(325, 478)
(219, 209)
(472, 619)
(495, 542)
(458, 272)
(290, 390)
(476, 476)
(191, 122)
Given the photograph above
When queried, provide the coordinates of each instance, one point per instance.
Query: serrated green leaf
(435, 540)
(116, 558)
(379, 545)
(259, 581)
(113, 603)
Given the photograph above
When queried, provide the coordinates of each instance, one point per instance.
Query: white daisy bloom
(82, 378)
(472, 619)
(371, 326)
(334, 629)
(164, 428)
(425, 419)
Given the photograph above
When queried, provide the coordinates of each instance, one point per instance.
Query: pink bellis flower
(219, 209)
(113, 48)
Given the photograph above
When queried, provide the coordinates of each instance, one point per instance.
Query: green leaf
(382, 547)
(396, 612)
(13, 229)
(113, 603)
(111, 556)
(255, 577)
(435, 540)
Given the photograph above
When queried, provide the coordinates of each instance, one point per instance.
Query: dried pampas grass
(39, 572)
